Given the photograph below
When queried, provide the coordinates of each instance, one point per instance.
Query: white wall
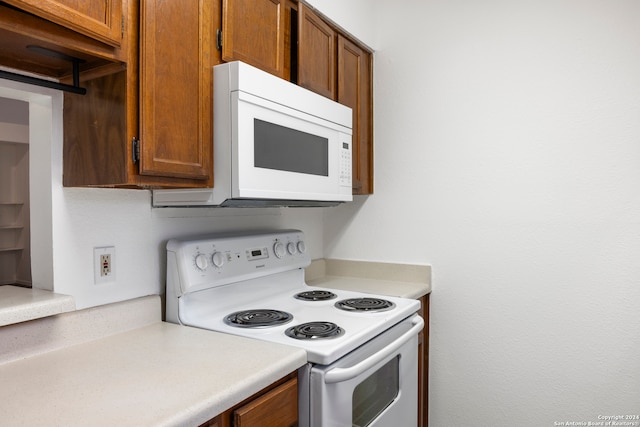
(508, 158)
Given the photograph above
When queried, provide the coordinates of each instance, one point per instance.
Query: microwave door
(283, 153)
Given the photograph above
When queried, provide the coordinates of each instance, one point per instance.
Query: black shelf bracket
(75, 63)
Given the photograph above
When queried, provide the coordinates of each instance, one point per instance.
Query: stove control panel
(221, 259)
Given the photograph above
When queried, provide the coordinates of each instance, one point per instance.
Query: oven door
(375, 385)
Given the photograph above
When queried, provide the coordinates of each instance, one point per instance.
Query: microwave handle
(343, 374)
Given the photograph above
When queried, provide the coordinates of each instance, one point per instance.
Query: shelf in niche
(11, 227)
(7, 250)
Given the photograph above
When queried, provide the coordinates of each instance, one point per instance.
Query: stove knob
(217, 259)
(302, 248)
(291, 248)
(201, 262)
(279, 249)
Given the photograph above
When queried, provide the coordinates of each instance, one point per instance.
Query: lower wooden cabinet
(215, 422)
(275, 406)
(423, 365)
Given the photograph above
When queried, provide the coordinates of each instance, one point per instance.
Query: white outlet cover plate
(111, 277)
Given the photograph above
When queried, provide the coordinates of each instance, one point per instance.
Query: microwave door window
(281, 148)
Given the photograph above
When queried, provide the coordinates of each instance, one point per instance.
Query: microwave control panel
(345, 164)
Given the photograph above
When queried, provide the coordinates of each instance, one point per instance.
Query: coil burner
(315, 331)
(365, 304)
(317, 295)
(257, 318)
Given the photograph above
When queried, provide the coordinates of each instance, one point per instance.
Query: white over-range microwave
(275, 144)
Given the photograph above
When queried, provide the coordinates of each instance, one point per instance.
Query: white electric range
(252, 285)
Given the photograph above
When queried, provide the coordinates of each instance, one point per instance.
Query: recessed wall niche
(15, 259)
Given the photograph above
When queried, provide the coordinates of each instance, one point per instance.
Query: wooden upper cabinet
(256, 32)
(355, 70)
(316, 53)
(176, 88)
(333, 65)
(99, 19)
(161, 97)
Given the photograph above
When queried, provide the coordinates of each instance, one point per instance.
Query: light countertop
(19, 304)
(157, 373)
(400, 280)
(119, 364)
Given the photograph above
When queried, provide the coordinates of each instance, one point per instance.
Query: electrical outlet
(104, 264)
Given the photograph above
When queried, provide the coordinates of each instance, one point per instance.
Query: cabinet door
(214, 422)
(355, 91)
(276, 408)
(98, 19)
(423, 365)
(255, 32)
(176, 89)
(316, 53)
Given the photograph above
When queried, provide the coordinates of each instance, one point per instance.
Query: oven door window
(375, 393)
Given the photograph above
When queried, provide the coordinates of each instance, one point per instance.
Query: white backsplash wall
(87, 218)
(507, 156)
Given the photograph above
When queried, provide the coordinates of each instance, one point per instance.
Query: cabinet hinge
(122, 28)
(219, 39)
(135, 150)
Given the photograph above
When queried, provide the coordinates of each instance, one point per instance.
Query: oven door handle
(343, 374)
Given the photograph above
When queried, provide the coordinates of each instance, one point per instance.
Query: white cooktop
(200, 310)
(202, 293)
